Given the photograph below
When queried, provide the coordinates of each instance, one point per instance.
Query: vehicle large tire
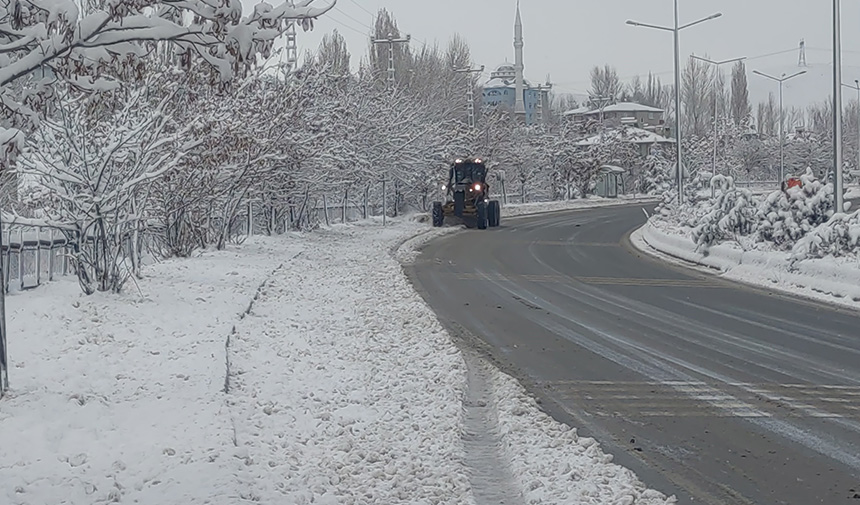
(459, 203)
(482, 215)
(494, 213)
(438, 215)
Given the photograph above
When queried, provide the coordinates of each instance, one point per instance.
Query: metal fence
(32, 256)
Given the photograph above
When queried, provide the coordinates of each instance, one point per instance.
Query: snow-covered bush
(655, 177)
(840, 236)
(786, 216)
(94, 175)
(730, 214)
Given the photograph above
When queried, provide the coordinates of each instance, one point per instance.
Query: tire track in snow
(490, 474)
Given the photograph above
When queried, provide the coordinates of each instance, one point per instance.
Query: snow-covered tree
(731, 214)
(605, 84)
(786, 216)
(696, 96)
(740, 101)
(94, 177)
(91, 46)
(839, 236)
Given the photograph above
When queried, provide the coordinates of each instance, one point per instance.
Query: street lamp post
(781, 80)
(857, 87)
(837, 106)
(676, 31)
(470, 91)
(602, 102)
(717, 65)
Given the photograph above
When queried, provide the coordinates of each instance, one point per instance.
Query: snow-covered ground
(829, 279)
(298, 369)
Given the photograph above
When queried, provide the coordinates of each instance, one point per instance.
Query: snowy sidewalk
(343, 389)
(118, 398)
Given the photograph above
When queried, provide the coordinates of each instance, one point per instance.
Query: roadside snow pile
(556, 466)
(519, 209)
(346, 388)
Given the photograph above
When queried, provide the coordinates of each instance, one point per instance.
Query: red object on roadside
(793, 182)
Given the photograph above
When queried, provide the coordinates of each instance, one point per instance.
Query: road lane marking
(701, 399)
(571, 243)
(596, 281)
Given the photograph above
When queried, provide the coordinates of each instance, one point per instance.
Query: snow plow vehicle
(467, 197)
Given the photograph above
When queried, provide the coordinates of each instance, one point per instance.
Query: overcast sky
(565, 38)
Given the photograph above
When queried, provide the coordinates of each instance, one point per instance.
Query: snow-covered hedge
(730, 214)
(837, 237)
(787, 216)
(801, 219)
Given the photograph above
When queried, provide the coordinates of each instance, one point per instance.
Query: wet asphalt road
(709, 390)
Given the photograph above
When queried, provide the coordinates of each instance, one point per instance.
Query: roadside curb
(822, 280)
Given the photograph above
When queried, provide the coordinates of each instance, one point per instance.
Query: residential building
(643, 139)
(623, 114)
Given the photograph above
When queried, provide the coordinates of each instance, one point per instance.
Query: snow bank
(555, 465)
(519, 209)
(830, 279)
(347, 389)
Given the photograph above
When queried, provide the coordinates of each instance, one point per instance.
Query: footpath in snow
(291, 370)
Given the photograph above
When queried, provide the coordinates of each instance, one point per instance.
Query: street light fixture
(676, 30)
(717, 65)
(781, 80)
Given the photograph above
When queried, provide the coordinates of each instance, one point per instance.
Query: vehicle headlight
(477, 187)
(444, 187)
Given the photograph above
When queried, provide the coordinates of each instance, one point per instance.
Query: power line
(362, 7)
(362, 23)
(669, 72)
(372, 29)
(356, 30)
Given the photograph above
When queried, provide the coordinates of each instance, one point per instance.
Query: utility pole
(391, 41)
(602, 102)
(717, 65)
(676, 31)
(292, 45)
(470, 91)
(543, 90)
(781, 80)
(801, 61)
(4, 357)
(837, 107)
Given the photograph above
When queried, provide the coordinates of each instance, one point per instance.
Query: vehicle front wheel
(494, 213)
(482, 215)
(438, 215)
